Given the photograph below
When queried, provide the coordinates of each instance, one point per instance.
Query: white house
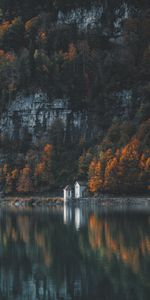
(80, 188)
(67, 193)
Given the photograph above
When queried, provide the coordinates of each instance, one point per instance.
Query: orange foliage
(145, 246)
(47, 152)
(71, 54)
(95, 229)
(96, 177)
(39, 168)
(9, 183)
(26, 170)
(48, 149)
(14, 173)
(10, 57)
(148, 164)
(43, 170)
(125, 170)
(4, 27)
(100, 237)
(2, 53)
(7, 56)
(15, 20)
(142, 162)
(25, 183)
(111, 166)
(130, 151)
(110, 174)
(30, 23)
(107, 155)
(42, 36)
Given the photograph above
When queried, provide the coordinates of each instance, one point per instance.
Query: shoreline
(105, 200)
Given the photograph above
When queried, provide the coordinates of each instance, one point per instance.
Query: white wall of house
(67, 195)
(77, 191)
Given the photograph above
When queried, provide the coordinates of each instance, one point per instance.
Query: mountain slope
(95, 55)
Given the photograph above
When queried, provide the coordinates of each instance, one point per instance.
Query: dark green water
(74, 254)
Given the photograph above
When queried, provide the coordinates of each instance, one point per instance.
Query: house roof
(68, 187)
(83, 183)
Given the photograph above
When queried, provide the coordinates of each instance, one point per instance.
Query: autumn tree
(25, 182)
(129, 167)
(83, 165)
(111, 175)
(96, 176)
(144, 174)
(9, 183)
(44, 169)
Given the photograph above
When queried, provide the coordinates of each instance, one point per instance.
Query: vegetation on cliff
(91, 66)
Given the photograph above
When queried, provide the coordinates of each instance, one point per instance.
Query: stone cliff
(37, 113)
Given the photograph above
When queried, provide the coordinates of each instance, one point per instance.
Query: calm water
(76, 253)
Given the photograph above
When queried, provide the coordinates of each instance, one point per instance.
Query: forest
(91, 65)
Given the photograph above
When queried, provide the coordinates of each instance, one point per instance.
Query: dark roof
(67, 187)
(83, 183)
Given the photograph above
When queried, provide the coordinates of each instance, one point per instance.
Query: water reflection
(74, 216)
(67, 214)
(74, 253)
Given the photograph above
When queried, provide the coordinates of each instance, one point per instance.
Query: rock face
(97, 16)
(37, 113)
(82, 17)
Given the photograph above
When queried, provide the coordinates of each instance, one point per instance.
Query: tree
(14, 35)
(144, 174)
(111, 175)
(44, 169)
(83, 165)
(96, 176)
(128, 168)
(25, 183)
(9, 183)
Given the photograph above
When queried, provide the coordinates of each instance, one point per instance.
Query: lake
(87, 253)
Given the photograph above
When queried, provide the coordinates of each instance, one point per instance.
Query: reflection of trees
(41, 258)
(124, 239)
(39, 250)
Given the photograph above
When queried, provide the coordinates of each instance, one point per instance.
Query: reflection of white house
(67, 214)
(78, 220)
(67, 193)
(73, 216)
(80, 189)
